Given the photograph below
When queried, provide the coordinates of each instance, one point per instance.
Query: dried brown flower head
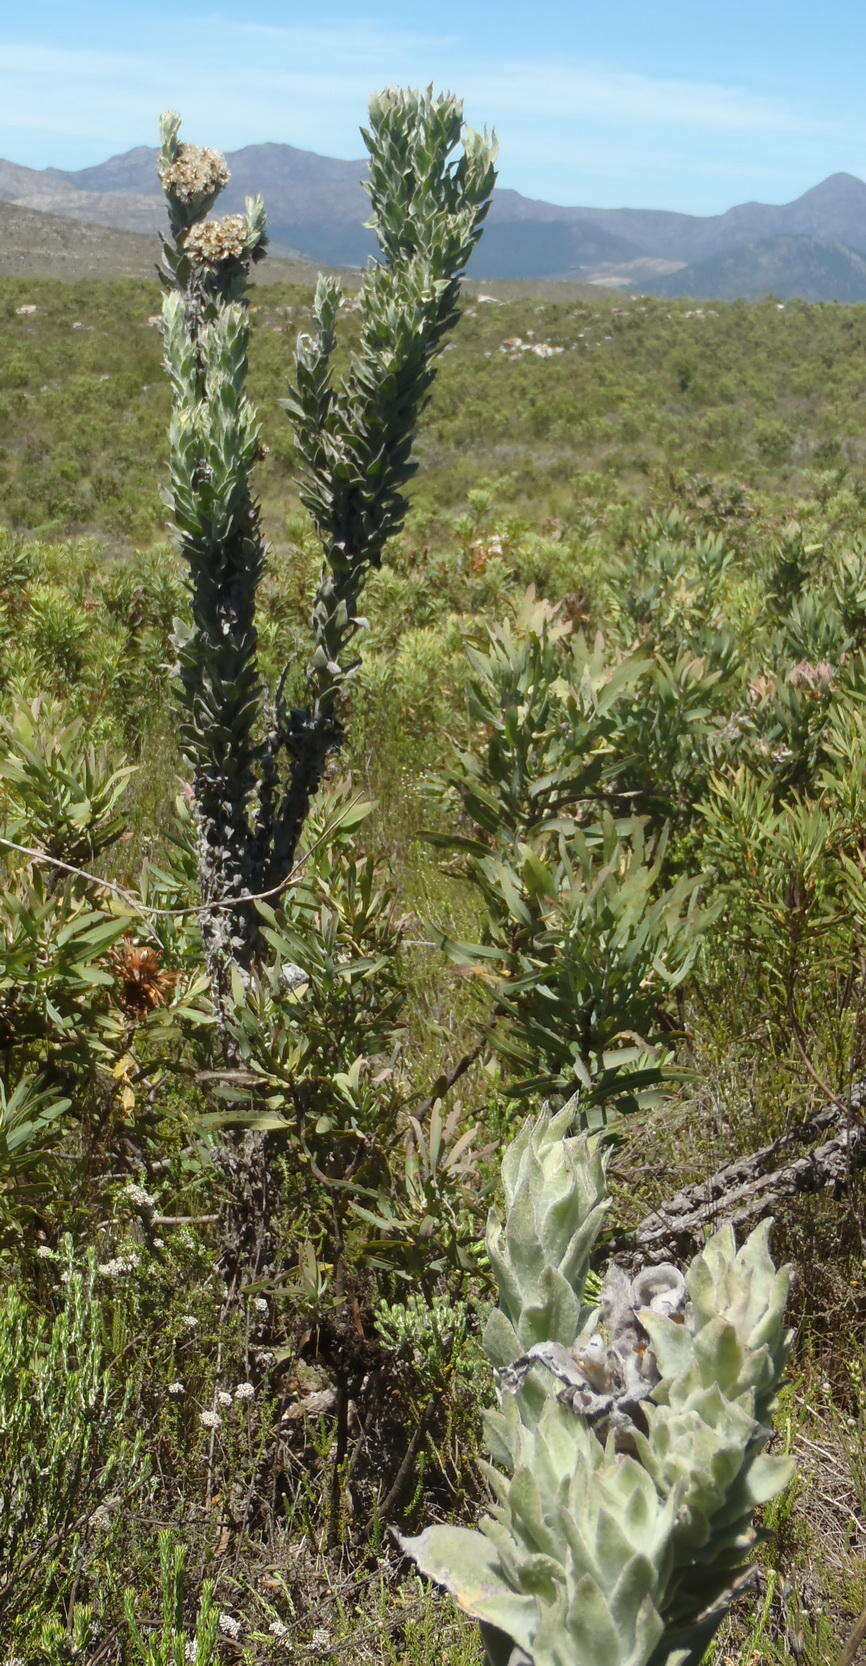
(195, 172)
(143, 983)
(818, 678)
(607, 1377)
(216, 240)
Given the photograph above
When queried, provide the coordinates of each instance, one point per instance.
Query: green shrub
(67, 1462)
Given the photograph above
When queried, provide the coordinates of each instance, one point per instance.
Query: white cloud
(321, 64)
(560, 122)
(594, 92)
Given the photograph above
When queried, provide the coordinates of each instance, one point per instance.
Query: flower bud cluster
(213, 241)
(196, 171)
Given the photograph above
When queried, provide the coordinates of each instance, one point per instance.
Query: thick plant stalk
(256, 761)
(628, 1443)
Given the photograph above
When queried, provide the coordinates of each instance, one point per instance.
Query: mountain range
(814, 247)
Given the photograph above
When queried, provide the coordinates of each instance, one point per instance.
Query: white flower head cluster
(229, 1626)
(214, 241)
(223, 1398)
(119, 1265)
(139, 1198)
(197, 171)
(210, 1420)
(175, 1391)
(244, 1391)
(189, 1321)
(279, 1630)
(46, 1253)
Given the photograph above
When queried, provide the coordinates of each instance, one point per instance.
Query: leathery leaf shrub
(583, 943)
(628, 1442)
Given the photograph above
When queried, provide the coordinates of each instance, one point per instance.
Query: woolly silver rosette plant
(629, 1440)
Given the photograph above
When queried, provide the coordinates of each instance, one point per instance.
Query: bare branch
(750, 1188)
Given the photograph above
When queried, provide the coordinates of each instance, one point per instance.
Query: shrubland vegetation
(596, 825)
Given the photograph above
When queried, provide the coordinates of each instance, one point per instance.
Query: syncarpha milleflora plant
(628, 1442)
(256, 760)
(213, 445)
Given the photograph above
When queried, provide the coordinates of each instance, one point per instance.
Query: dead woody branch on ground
(822, 1152)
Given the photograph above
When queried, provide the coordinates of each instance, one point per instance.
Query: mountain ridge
(317, 208)
(787, 266)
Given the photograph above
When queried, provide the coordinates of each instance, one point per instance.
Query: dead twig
(750, 1188)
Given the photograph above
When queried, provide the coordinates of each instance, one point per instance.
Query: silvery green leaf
(467, 1565)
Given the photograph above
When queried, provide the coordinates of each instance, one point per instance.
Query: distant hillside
(546, 249)
(317, 207)
(834, 211)
(784, 266)
(33, 244)
(38, 245)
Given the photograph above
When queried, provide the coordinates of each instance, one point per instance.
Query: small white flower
(210, 1420)
(321, 1637)
(190, 1651)
(260, 1304)
(223, 1399)
(229, 1626)
(265, 1358)
(45, 1253)
(119, 1265)
(279, 1629)
(244, 1391)
(189, 1321)
(140, 1197)
(175, 1391)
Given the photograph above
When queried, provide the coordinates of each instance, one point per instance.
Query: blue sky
(686, 104)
